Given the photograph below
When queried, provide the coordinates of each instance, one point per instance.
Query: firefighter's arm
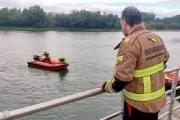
(124, 69)
(114, 85)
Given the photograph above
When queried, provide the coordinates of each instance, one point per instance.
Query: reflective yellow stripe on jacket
(149, 71)
(145, 97)
(148, 94)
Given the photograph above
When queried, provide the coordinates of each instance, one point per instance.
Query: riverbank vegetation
(34, 18)
(57, 29)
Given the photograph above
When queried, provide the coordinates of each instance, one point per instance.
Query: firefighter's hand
(102, 86)
(105, 87)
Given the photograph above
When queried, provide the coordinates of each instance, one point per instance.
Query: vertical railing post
(173, 93)
(122, 100)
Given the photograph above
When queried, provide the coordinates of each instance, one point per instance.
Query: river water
(91, 58)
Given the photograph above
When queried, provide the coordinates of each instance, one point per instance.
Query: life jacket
(47, 58)
(62, 61)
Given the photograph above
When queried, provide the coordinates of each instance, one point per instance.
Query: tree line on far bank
(36, 17)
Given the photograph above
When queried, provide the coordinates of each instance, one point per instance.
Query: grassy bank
(56, 29)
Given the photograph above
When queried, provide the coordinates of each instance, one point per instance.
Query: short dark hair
(131, 15)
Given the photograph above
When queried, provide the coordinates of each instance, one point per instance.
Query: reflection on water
(63, 73)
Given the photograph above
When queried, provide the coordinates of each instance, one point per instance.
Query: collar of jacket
(138, 28)
(117, 46)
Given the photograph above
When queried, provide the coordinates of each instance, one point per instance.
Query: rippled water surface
(91, 58)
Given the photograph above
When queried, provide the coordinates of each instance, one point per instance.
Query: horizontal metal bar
(176, 108)
(172, 69)
(168, 102)
(163, 115)
(177, 98)
(47, 105)
(169, 91)
(177, 88)
(112, 115)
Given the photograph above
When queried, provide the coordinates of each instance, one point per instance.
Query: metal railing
(172, 100)
(7, 115)
(173, 90)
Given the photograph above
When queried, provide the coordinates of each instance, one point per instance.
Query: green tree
(148, 17)
(34, 16)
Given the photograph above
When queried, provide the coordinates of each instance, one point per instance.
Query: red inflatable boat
(169, 79)
(54, 65)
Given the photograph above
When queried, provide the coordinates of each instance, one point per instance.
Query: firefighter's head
(130, 17)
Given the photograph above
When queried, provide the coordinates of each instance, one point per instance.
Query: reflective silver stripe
(145, 97)
(149, 71)
(147, 84)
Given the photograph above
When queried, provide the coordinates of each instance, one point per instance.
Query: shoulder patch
(126, 39)
(154, 39)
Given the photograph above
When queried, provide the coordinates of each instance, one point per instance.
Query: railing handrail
(49, 104)
(172, 69)
(57, 102)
